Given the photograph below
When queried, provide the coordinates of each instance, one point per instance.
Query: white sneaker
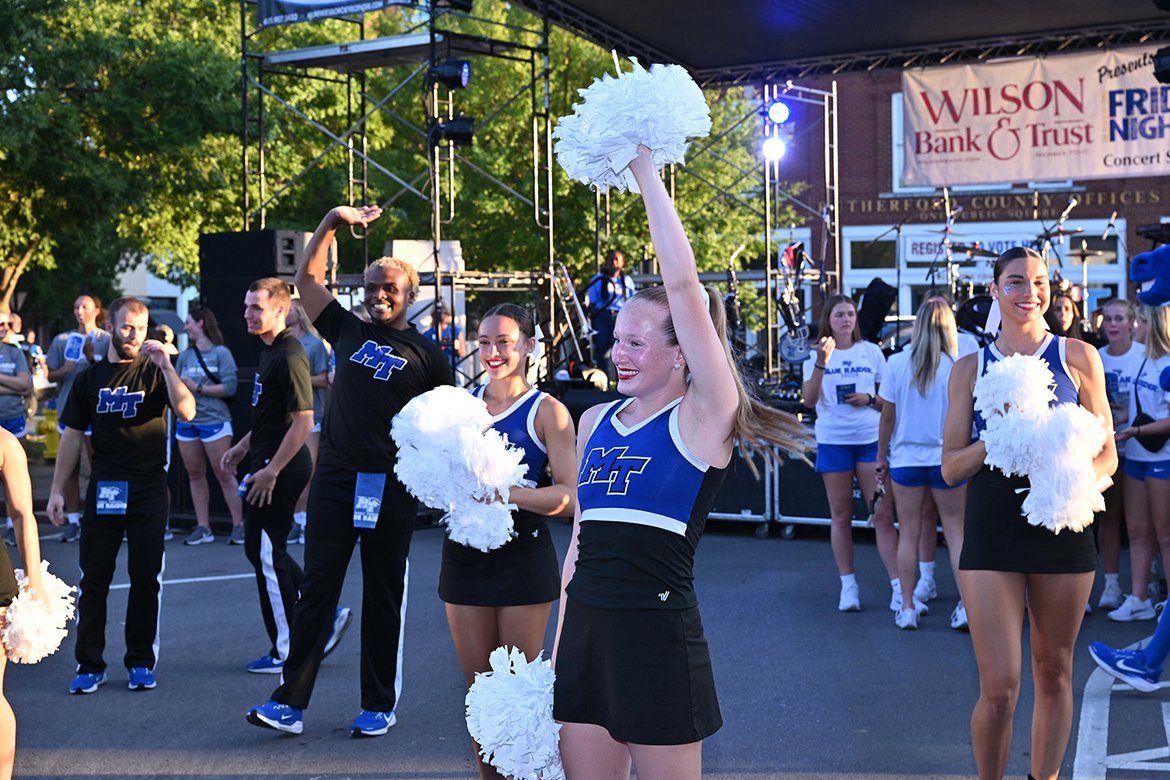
(925, 590)
(1132, 609)
(896, 600)
(959, 618)
(1110, 597)
(849, 600)
(907, 620)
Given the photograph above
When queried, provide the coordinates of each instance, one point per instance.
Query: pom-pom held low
(509, 714)
(35, 627)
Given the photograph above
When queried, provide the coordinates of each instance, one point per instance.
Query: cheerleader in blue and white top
(634, 680)
(504, 597)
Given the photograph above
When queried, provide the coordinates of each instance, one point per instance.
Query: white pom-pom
(1065, 489)
(660, 108)
(1021, 382)
(509, 713)
(450, 458)
(483, 526)
(35, 627)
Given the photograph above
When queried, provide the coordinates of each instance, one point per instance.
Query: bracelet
(1139, 431)
(199, 389)
(821, 366)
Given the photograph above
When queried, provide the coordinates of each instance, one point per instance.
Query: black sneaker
(71, 532)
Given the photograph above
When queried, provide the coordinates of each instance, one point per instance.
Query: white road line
(1092, 759)
(126, 585)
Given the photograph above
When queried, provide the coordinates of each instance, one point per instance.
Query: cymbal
(948, 232)
(974, 250)
(1062, 232)
(1083, 253)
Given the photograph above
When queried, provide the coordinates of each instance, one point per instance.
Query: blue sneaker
(141, 678)
(274, 715)
(373, 724)
(87, 683)
(341, 620)
(266, 665)
(1127, 666)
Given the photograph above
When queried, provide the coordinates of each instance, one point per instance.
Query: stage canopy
(729, 41)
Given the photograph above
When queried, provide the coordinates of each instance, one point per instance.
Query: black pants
(278, 577)
(329, 541)
(143, 525)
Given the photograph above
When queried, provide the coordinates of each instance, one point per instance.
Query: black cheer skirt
(523, 571)
(998, 537)
(642, 674)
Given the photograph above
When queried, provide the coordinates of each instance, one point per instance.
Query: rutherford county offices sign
(1078, 116)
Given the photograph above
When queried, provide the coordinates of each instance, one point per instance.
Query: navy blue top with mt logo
(379, 369)
(282, 386)
(125, 403)
(644, 500)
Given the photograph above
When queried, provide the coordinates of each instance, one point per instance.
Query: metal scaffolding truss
(346, 63)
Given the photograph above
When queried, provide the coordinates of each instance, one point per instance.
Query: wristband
(199, 389)
(821, 366)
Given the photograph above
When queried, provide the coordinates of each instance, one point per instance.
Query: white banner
(1078, 116)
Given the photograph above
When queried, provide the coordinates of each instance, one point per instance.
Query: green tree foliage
(116, 123)
(120, 138)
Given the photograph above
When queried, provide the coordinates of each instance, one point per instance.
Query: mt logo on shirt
(378, 357)
(118, 399)
(612, 467)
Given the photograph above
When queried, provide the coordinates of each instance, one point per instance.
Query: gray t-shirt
(219, 360)
(12, 362)
(318, 362)
(56, 358)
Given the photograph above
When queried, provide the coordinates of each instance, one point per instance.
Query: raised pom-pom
(451, 459)
(1020, 382)
(35, 627)
(509, 713)
(660, 108)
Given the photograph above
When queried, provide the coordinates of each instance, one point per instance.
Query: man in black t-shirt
(282, 416)
(124, 396)
(381, 365)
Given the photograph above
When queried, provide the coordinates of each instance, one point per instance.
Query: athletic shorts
(188, 432)
(844, 457)
(1140, 469)
(922, 476)
(61, 429)
(17, 426)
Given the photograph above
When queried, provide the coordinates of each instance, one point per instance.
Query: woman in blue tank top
(504, 597)
(634, 680)
(1007, 565)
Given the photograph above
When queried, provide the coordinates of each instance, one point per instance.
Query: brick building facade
(872, 202)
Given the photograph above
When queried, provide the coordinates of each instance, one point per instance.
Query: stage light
(455, 5)
(778, 113)
(458, 131)
(1162, 65)
(455, 74)
(773, 149)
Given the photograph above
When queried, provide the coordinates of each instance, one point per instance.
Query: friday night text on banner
(1078, 116)
(270, 12)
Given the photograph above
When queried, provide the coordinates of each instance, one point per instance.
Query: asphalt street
(806, 692)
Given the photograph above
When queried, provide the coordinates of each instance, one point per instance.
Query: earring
(677, 366)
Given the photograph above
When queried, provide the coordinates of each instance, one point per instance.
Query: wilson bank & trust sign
(1078, 116)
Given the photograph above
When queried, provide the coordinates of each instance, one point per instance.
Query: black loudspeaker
(875, 305)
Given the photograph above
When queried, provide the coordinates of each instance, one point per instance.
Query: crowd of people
(320, 471)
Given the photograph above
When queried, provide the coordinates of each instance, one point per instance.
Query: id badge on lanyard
(367, 500)
(112, 497)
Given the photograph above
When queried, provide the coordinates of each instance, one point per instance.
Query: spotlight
(455, 74)
(1162, 65)
(778, 113)
(773, 149)
(458, 131)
